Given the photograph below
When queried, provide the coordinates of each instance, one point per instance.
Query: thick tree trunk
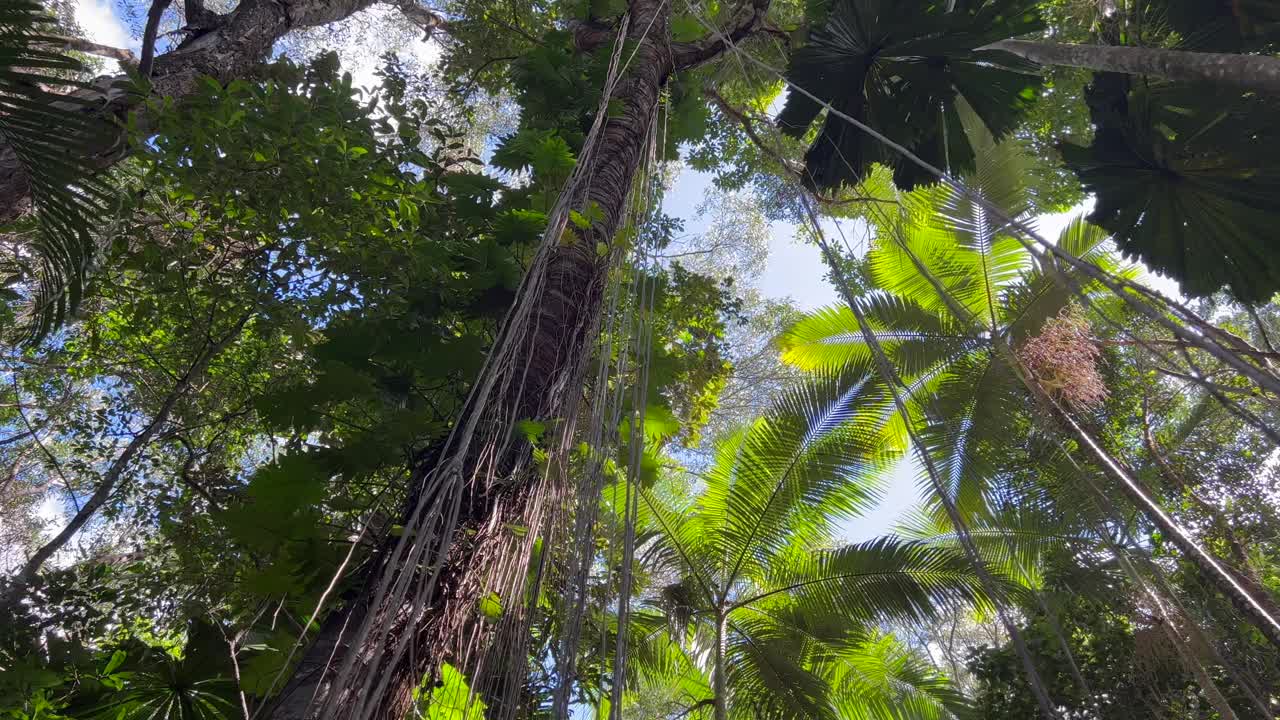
(556, 341)
(241, 40)
(1247, 72)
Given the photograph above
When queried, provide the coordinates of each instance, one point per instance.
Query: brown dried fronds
(1064, 359)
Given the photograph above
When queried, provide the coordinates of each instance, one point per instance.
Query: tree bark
(1246, 72)
(241, 40)
(557, 341)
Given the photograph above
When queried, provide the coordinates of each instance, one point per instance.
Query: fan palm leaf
(902, 68)
(1185, 179)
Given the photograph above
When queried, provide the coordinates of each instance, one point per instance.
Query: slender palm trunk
(1247, 72)
(1252, 600)
(719, 683)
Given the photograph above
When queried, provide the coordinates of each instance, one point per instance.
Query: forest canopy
(498, 359)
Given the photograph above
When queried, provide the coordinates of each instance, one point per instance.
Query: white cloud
(101, 25)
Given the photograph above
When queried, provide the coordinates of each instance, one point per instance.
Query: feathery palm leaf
(48, 133)
(881, 679)
(948, 280)
(754, 548)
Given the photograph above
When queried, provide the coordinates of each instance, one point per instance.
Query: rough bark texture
(240, 40)
(552, 360)
(1247, 72)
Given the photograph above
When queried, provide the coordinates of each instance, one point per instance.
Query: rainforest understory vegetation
(427, 359)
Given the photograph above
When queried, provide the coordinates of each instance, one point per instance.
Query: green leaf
(451, 699)
(904, 67)
(117, 659)
(490, 607)
(1179, 189)
(686, 28)
(531, 430)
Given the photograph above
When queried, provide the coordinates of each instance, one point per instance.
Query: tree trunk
(1254, 603)
(241, 40)
(1246, 72)
(719, 683)
(555, 341)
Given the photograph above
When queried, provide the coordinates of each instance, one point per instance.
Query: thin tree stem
(111, 477)
(718, 679)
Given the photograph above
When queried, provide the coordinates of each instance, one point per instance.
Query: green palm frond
(879, 678)
(885, 579)
(1013, 541)
(960, 244)
(50, 132)
(784, 479)
(901, 67)
(947, 280)
(773, 672)
(970, 422)
(754, 547)
(829, 340)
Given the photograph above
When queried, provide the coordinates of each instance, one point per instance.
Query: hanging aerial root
(427, 604)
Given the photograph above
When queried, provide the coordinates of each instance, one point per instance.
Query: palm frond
(830, 341)
(1185, 179)
(882, 579)
(1013, 541)
(899, 66)
(772, 672)
(787, 476)
(879, 678)
(51, 130)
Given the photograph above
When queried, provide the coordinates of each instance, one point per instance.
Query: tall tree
(221, 46)
(541, 357)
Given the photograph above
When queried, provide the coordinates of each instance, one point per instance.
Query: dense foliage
(278, 347)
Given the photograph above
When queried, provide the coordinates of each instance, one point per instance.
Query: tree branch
(791, 167)
(149, 36)
(1241, 347)
(67, 42)
(198, 18)
(427, 20)
(708, 702)
(693, 54)
(117, 468)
